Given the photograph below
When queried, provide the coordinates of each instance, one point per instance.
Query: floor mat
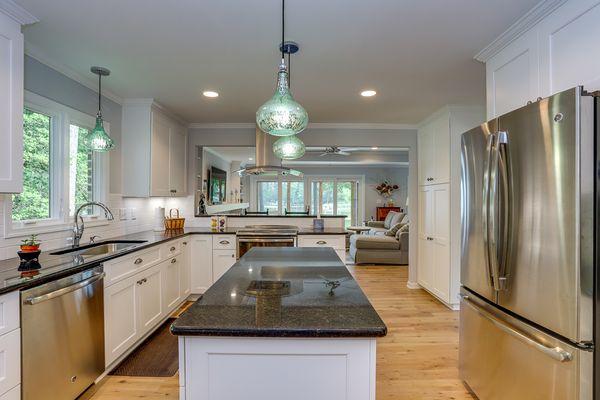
(156, 356)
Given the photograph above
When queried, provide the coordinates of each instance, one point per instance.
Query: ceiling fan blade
(323, 154)
(343, 153)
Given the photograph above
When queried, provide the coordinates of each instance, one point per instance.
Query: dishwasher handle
(67, 289)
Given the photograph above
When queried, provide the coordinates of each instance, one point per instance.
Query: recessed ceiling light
(374, 148)
(250, 158)
(210, 93)
(368, 93)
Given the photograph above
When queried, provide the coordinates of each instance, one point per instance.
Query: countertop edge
(288, 333)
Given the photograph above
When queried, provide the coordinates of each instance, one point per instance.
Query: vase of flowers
(385, 190)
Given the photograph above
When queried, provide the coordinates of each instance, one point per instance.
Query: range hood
(266, 163)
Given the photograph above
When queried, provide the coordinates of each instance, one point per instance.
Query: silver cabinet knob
(321, 242)
(173, 261)
(172, 248)
(138, 261)
(224, 242)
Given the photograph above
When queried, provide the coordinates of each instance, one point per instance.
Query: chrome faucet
(80, 226)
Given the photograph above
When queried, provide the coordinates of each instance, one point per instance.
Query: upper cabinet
(433, 149)
(154, 151)
(559, 51)
(11, 105)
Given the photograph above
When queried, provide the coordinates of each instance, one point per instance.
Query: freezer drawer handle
(65, 290)
(556, 353)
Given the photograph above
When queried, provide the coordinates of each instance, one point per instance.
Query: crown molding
(151, 102)
(34, 52)
(523, 24)
(317, 125)
(18, 13)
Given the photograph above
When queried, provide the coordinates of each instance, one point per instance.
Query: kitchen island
(282, 323)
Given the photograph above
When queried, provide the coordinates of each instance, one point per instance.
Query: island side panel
(275, 368)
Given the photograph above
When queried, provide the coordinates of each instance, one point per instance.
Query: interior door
(475, 273)
(543, 269)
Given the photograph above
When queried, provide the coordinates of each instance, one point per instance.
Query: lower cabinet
(149, 297)
(12, 394)
(185, 272)
(222, 261)
(121, 326)
(200, 262)
(337, 242)
(172, 293)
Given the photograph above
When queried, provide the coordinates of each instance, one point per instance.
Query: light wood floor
(418, 359)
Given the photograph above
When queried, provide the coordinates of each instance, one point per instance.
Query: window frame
(61, 119)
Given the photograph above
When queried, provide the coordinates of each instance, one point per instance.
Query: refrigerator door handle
(486, 206)
(555, 353)
(502, 150)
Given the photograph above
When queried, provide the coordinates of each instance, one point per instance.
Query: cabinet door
(177, 161)
(425, 237)
(185, 270)
(11, 106)
(201, 263)
(441, 149)
(425, 266)
(441, 241)
(425, 153)
(120, 318)
(171, 270)
(222, 261)
(150, 298)
(159, 168)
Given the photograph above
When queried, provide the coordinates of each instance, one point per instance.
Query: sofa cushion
(396, 219)
(388, 219)
(395, 228)
(374, 242)
(404, 219)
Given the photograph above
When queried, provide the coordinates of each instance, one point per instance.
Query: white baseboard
(413, 285)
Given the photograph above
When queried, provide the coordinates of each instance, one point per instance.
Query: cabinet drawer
(12, 394)
(10, 354)
(9, 312)
(170, 249)
(123, 267)
(336, 242)
(224, 242)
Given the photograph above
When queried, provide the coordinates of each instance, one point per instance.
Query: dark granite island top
(283, 292)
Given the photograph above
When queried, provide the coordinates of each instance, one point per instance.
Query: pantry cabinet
(153, 138)
(560, 51)
(434, 158)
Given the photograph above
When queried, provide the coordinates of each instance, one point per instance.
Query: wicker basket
(175, 222)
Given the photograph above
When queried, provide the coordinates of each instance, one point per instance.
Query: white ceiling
(417, 54)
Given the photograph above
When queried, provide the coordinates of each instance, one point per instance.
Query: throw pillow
(392, 231)
(388, 219)
(397, 218)
(403, 228)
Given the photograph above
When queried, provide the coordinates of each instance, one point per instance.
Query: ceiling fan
(340, 151)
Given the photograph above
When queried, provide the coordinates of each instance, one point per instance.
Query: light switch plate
(132, 212)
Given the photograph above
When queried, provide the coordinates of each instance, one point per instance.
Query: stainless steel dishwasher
(63, 336)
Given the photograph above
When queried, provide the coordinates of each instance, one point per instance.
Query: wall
(328, 135)
(47, 82)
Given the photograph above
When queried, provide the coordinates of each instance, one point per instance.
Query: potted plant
(30, 245)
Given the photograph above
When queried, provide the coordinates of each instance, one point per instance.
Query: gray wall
(245, 136)
(47, 82)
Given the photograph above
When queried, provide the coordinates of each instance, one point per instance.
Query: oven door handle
(271, 240)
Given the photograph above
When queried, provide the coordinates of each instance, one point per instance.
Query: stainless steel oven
(265, 236)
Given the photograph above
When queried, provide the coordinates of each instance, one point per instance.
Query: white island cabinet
(278, 326)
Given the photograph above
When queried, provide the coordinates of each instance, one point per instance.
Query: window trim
(62, 117)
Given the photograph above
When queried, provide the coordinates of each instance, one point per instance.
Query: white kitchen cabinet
(201, 263)
(149, 298)
(433, 149)
(155, 139)
(11, 105)
(336, 242)
(171, 270)
(222, 260)
(434, 240)
(12, 394)
(559, 52)
(121, 326)
(185, 269)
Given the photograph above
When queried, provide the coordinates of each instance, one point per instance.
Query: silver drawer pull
(173, 261)
(138, 261)
(321, 242)
(142, 281)
(224, 242)
(172, 248)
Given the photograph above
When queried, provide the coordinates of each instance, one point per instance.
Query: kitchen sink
(101, 248)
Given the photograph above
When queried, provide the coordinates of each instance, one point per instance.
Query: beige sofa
(375, 247)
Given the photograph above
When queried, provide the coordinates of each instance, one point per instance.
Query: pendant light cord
(99, 95)
(282, 28)
(289, 70)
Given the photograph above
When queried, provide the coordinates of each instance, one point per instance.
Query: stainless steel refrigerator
(528, 260)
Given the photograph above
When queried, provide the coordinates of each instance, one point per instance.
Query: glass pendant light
(281, 115)
(98, 139)
(289, 148)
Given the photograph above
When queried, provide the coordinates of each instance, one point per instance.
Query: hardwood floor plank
(417, 360)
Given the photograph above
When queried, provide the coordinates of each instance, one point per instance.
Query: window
(292, 196)
(59, 174)
(34, 202)
(268, 196)
(335, 196)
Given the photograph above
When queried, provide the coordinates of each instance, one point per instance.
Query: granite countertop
(283, 292)
(57, 266)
